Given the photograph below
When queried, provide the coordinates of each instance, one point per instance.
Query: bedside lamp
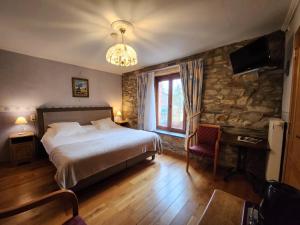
(21, 121)
(118, 116)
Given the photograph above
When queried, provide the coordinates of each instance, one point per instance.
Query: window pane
(163, 102)
(177, 105)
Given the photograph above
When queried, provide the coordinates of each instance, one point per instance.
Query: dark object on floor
(250, 214)
(61, 194)
(280, 205)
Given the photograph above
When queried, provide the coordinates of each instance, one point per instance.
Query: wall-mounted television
(253, 56)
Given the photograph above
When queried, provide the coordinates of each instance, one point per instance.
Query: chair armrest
(189, 139)
(61, 194)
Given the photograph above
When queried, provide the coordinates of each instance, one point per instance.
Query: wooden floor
(152, 192)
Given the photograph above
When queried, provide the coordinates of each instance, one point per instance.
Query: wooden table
(243, 147)
(232, 139)
(223, 209)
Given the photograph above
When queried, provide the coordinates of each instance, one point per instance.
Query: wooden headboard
(83, 115)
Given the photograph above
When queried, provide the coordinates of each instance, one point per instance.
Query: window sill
(179, 135)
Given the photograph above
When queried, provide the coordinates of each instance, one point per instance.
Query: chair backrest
(208, 134)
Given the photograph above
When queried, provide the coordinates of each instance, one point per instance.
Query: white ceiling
(78, 31)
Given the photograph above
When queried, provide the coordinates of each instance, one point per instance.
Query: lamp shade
(119, 113)
(21, 120)
(121, 55)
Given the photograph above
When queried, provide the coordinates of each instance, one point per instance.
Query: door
(292, 163)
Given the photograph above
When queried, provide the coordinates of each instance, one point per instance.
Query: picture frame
(80, 87)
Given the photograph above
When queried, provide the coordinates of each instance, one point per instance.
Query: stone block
(208, 101)
(210, 81)
(242, 101)
(217, 86)
(238, 92)
(208, 117)
(221, 118)
(251, 116)
(262, 124)
(262, 109)
(228, 102)
(213, 107)
(211, 92)
(253, 76)
(225, 91)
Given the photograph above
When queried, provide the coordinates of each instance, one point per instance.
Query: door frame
(295, 82)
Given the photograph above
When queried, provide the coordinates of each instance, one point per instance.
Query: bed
(84, 158)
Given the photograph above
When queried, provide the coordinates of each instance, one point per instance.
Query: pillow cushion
(66, 128)
(104, 124)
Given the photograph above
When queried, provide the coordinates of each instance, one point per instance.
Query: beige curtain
(191, 74)
(142, 83)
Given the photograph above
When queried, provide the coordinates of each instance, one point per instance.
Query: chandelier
(121, 54)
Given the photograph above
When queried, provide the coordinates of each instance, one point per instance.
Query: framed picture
(80, 87)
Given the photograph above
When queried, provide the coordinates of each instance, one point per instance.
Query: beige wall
(288, 79)
(27, 83)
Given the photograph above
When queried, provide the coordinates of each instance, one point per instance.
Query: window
(170, 113)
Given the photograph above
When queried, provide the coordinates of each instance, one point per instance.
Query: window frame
(170, 78)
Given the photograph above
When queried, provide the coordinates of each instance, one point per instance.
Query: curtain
(191, 74)
(150, 113)
(142, 84)
(146, 101)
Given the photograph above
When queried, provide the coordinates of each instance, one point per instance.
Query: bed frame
(84, 115)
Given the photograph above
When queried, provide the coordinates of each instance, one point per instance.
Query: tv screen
(252, 56)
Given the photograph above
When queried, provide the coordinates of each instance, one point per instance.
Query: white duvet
(82, 155)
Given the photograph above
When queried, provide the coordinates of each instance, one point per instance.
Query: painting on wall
(80, 87)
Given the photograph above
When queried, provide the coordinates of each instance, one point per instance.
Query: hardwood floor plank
(185, 212)
(152, 192)
(140, 192)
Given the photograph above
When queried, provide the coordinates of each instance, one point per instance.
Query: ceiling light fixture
(121, 54)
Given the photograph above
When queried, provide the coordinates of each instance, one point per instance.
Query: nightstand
(123, 123)
(22, 147)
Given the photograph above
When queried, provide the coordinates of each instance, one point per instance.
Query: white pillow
(104, 124)
(66, 128)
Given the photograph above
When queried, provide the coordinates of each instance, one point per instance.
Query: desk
(232, 139)
(223, 209)
(243, 147)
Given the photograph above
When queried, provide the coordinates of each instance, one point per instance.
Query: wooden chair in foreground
(61, 194)
(207, 143)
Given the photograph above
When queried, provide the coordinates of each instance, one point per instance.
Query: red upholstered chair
(207, 143)
(64, 194)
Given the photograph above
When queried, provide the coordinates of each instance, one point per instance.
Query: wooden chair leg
(187, 161)
(215, 164)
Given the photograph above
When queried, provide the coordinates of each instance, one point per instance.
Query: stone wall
(245, 101)
(129, 96)
(172, 143)
(241, 102)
